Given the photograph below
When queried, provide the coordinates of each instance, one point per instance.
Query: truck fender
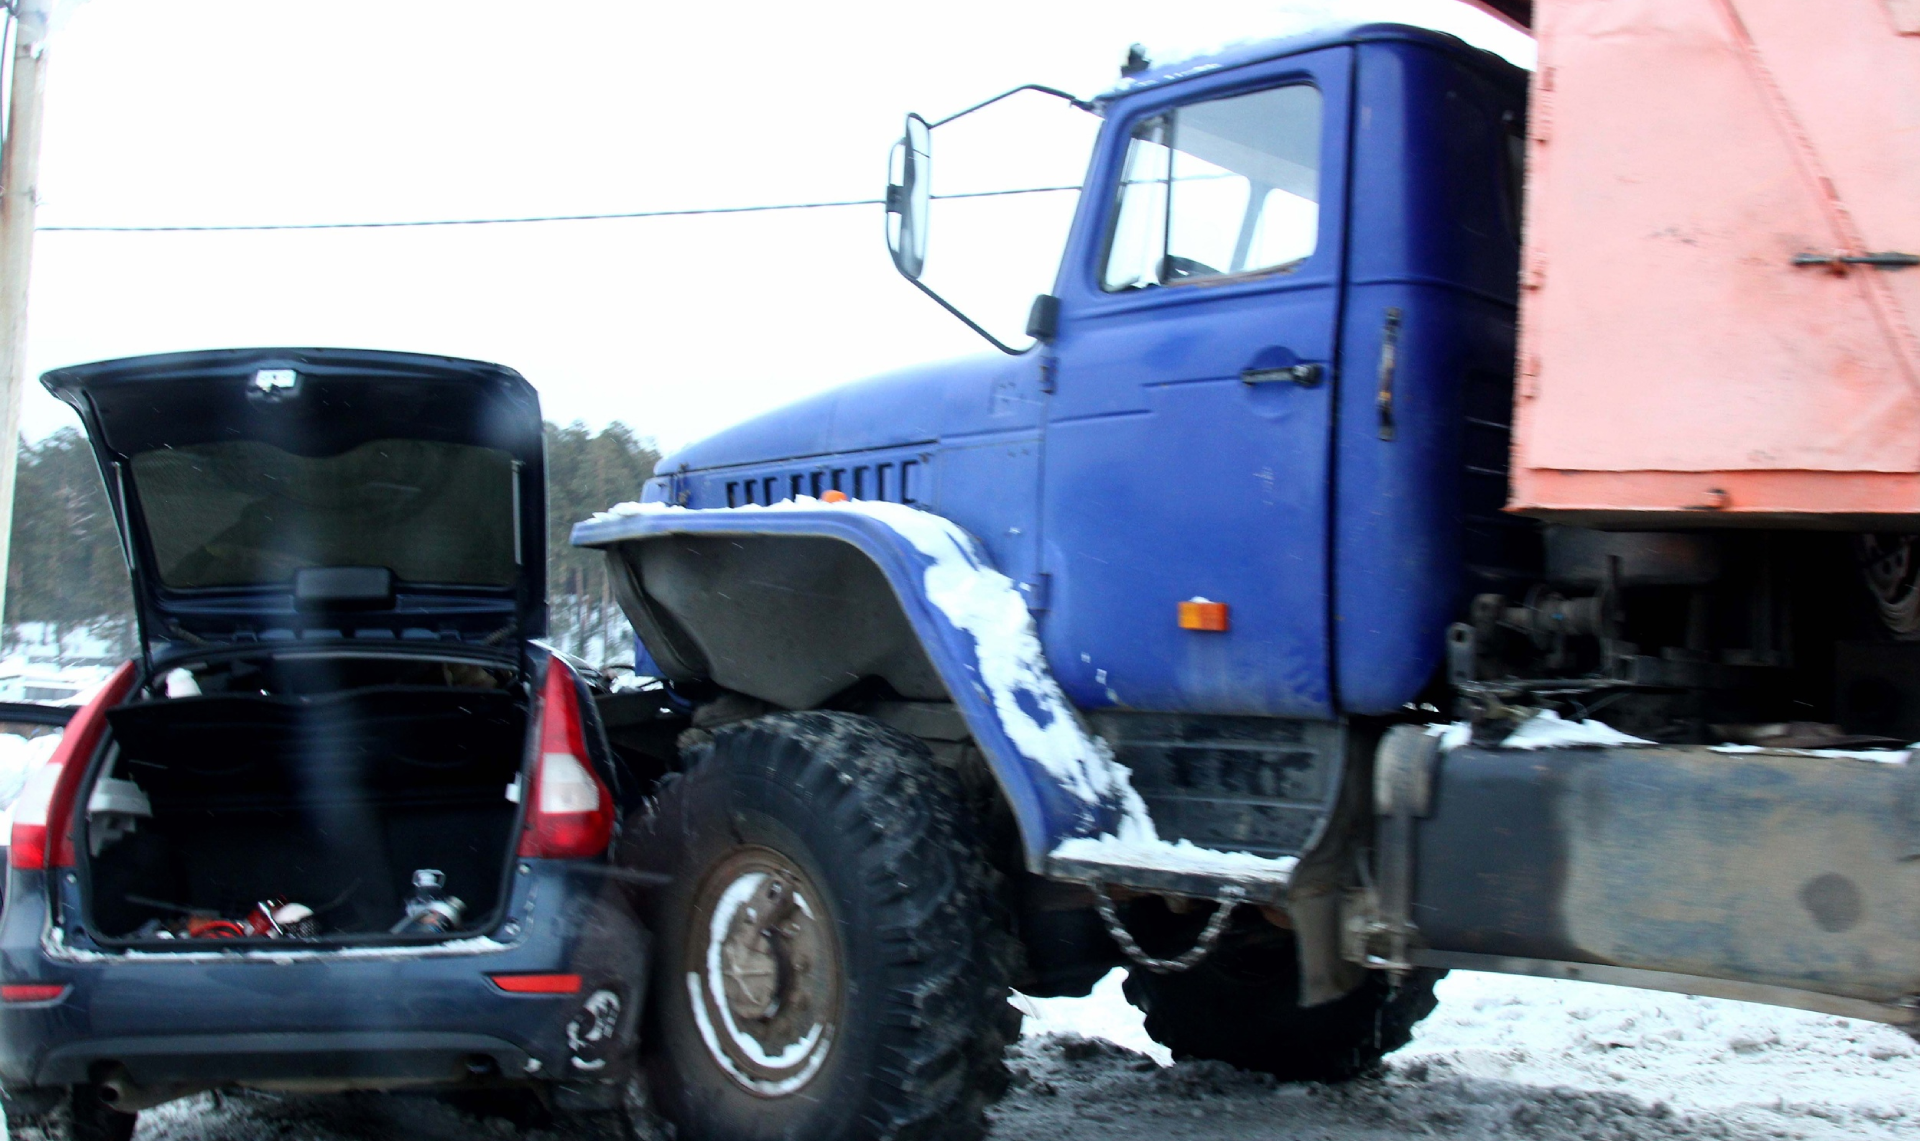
(968, 619)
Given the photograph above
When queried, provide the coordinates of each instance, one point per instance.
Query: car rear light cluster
(32, 992)
(43, 814)
(569, 814)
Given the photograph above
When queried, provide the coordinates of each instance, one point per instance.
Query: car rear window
(245, 512)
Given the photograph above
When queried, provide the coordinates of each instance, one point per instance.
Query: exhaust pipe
(119, 1091)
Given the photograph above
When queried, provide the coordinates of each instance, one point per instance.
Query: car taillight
(32, 992)
(569, 814)
(43, 814)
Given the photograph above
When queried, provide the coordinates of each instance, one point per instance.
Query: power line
(254, 227)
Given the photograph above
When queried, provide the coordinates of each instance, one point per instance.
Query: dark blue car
(344, 824)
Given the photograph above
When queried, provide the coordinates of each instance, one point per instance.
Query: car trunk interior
(322, 783)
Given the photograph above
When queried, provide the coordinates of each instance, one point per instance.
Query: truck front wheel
(1239, 1006)
(830, 964)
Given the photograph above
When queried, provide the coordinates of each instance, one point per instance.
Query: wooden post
(19, 166)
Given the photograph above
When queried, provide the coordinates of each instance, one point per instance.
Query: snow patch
(1546, 730)
(987, 605)
(19, 756)
(1104, 1014)
(1880, 756)
(1134, 850)
(1184, 43)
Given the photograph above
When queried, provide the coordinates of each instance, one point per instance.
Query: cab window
(1228, 186)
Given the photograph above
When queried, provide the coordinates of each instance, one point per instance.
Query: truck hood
(320, 494)
(907, 406)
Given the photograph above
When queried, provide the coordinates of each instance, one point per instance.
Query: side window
(1228, 186)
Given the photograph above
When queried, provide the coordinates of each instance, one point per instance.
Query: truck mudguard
(1074, 804)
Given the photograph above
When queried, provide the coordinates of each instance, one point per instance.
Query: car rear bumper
(353, 1057)
(357, 1018)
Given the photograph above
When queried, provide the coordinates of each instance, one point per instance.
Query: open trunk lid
(318, 494)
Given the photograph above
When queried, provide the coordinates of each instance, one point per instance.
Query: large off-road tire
(832, 959)
(1238, 1006)
(76, 1114)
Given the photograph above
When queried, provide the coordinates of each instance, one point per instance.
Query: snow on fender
(1074, 802)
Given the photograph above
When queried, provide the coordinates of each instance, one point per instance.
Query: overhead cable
(415, 224)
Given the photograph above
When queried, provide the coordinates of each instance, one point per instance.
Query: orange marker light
(1200, 614)
(835, 496)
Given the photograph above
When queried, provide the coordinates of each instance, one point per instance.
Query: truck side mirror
(909, 186)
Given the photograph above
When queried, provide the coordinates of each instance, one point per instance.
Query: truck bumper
(1786, 877)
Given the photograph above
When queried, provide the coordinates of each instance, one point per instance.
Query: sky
(250, 111)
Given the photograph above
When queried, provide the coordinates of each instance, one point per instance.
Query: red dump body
(1680, 362)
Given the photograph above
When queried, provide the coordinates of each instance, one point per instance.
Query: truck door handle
(1389, 364)
(1304, 375)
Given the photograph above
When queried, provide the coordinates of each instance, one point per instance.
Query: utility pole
(19, 170)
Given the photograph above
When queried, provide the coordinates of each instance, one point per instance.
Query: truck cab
(1285, 314)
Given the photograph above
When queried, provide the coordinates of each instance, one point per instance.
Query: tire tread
(946, 956)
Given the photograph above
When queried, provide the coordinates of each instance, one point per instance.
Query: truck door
(1187, 443)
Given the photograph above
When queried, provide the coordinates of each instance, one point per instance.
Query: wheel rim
(763, 972)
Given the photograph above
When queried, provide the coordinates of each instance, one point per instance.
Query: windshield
(244, 512)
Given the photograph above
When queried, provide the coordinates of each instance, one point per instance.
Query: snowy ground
(1501, 1058)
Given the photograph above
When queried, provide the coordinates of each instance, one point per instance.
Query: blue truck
(1193, 638)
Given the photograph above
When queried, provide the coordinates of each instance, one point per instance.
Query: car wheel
(831, 958)
(77, 1114)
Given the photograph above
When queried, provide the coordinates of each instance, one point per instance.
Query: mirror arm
(1082, 104)
(896, 204)
(966, 320)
